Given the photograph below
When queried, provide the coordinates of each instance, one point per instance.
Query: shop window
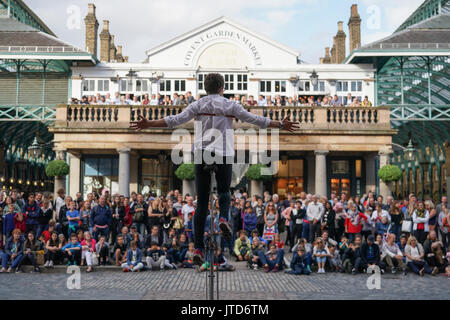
(100, 173)
(290, 178)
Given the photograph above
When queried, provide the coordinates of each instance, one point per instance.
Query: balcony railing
(97, 117)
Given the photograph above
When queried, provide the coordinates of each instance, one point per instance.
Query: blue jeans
(396, 229)
(41, 228)
(140, 226)
(14, 263)
(299, 270)
(278, 261)
(305, 231)
(100, 232)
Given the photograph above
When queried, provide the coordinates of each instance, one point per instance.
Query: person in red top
(20, 221)
(353, 224)
(277, 241)
(128, 220)
(46, 234)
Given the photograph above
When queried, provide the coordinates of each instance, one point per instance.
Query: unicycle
(211, 244)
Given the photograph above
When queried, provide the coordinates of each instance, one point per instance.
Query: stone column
(124, 171)
(311, 186)
(60, 182)
(256, 188)
(384, 155)
(75, 173)
(321, 172)
(370, 172)
(189, 187)
(134, 174)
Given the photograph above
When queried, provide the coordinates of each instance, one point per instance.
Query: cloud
(139, 25)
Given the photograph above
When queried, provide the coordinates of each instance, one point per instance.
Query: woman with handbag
(420, 218)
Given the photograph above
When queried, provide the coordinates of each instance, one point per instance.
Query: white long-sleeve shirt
(221, 140)
(315, 211)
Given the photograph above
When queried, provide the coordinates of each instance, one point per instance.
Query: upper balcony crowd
(187, 98)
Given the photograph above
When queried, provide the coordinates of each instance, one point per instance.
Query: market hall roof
(430, 37)
(20, 41)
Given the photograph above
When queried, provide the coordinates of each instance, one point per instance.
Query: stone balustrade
(99, 117)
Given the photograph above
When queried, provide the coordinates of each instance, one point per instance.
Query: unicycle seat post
(211, 245)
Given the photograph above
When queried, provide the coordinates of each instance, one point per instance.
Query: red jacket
(20, 224)
(352, 228)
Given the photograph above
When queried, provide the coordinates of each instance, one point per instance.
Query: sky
(307, 26)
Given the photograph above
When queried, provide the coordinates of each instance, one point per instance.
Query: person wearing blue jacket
(250, 218)
(72, 250)
(32, 210)
(134, 259)
(101, 218)
(299, 262)
(12, 252)
(8, 222)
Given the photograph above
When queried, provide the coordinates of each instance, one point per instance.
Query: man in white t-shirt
(187, 208)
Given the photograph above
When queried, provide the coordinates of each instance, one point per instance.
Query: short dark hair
(213, 83)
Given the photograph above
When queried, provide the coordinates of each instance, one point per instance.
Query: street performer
(214, 111)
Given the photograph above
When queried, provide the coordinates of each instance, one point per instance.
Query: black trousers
(203, 186)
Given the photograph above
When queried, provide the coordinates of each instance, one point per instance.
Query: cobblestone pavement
(241, 284)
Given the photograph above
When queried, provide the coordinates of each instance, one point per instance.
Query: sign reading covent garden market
(222, 34)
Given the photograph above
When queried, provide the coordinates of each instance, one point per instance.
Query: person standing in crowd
(314, 214)
(32, 211)
(118, 215)
(420, 218)
(101, 218)
(140, 214)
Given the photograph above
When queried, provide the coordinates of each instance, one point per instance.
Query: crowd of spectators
(146, 232)
(262, 101)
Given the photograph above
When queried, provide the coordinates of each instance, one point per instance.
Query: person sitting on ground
(253, 260)
(434, 251)
(120, 251)
(188, 259)
(54, 253)
(168, 262)
(242, 246)
(334, 259)
(72, 251)
(102, 249)
(12, 252)
(134, 259)
(156, 257)
(391, 254)
(88, 250)
(262, 241)
(369, 256)
(273, 260)
(8, 222)
(220, 263)
(320, 253)
(30, 251)
(299, 262)
(350, 255)
(415, 258)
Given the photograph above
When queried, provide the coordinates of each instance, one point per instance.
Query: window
(280, 86)
(201, 79)
(180, 85)
(100, 173)
(340, 167)
(141, 85)
(155, 176)
(242, 82)
(229, 82)
(88, 85)
(164, 85)
(126, 85)
(307, 86)
(342, 86)
(356, 85)
(290, 178)
(103, 85)
(265, 86)
(320, 86)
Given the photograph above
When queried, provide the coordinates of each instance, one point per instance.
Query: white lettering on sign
(222, 34)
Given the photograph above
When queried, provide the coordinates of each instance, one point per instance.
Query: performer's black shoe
(226, 229)
(199, 258)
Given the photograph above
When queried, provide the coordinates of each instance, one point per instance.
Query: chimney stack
(354, 26)
(333, 51)
(113, 50)
(119, 57)
(91, 30)
(340, 43)
(327, 58)
(105, 42)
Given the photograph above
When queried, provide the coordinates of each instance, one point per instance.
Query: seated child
(72, 251)
(134, 259)
(299, 262)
